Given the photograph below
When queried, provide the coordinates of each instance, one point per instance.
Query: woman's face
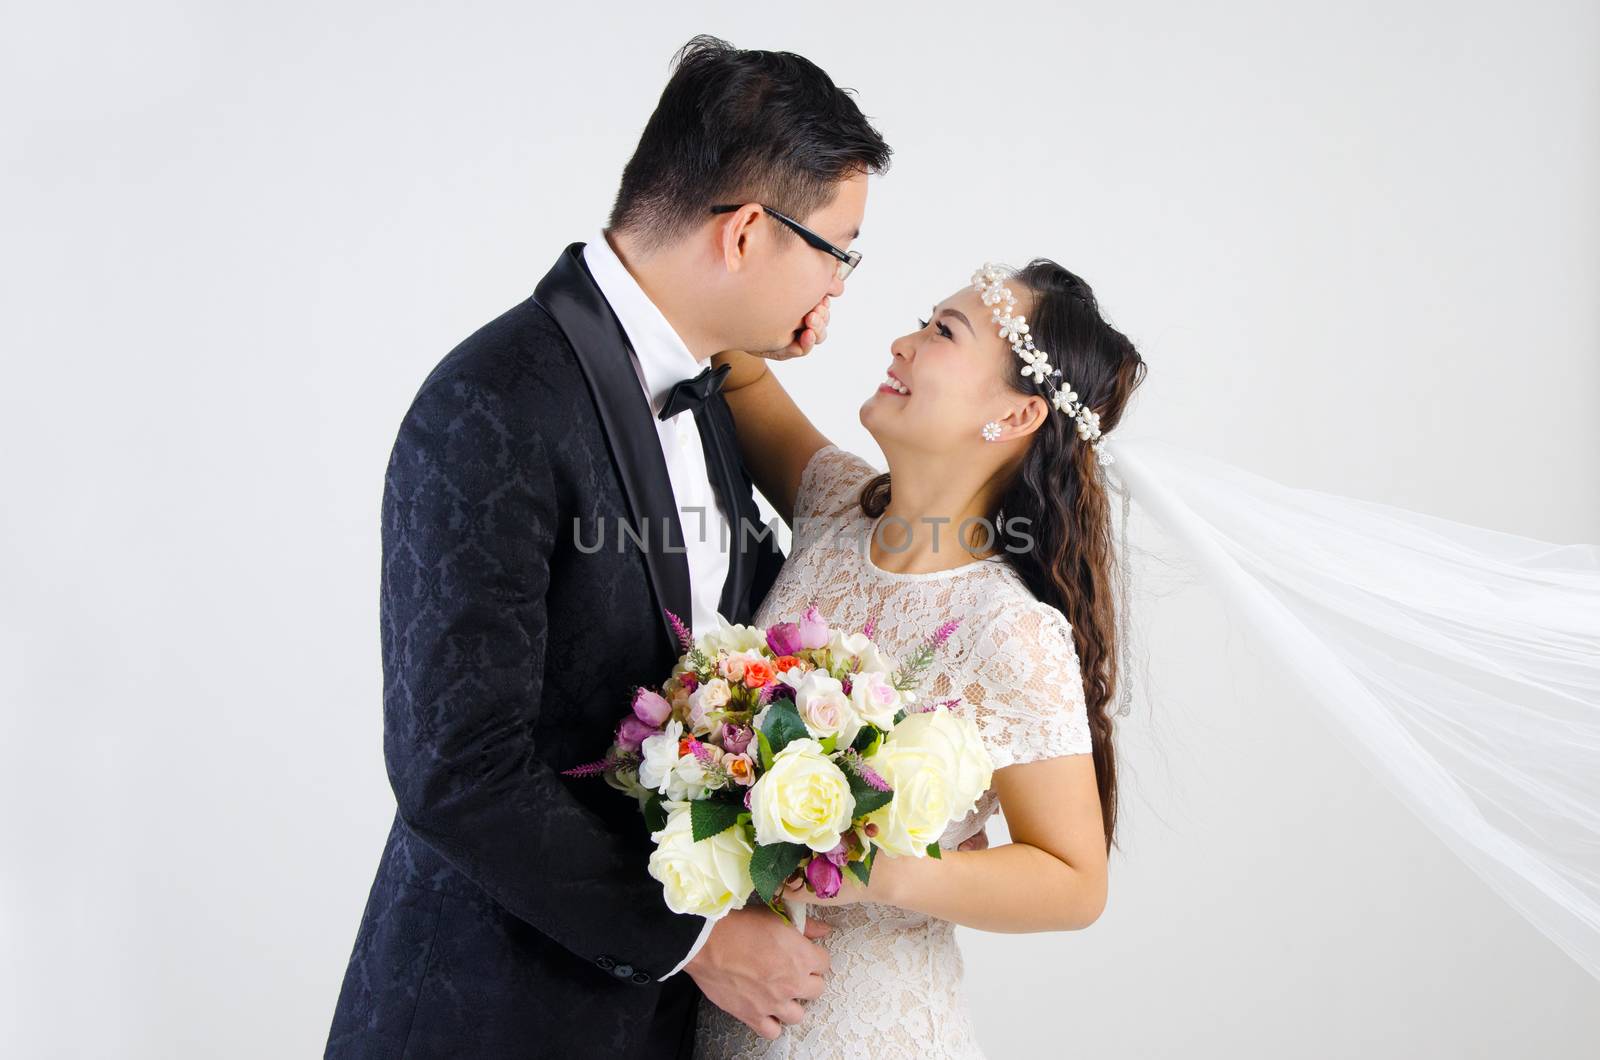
(947, 379)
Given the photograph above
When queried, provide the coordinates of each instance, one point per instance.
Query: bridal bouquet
(795, 752)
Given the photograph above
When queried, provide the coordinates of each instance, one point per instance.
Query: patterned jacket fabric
(512, 914)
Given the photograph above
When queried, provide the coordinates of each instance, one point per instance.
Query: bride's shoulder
(1012, 632)
(831, 483)
(1024, 682)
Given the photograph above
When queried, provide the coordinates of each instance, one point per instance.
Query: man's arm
(469, 526)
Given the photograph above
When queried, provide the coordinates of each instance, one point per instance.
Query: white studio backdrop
(1356, 245)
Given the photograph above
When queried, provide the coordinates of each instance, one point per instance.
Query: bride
(993, 512)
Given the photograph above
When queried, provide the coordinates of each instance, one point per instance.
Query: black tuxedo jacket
(512, 915)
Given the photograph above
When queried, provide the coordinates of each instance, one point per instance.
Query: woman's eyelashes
(943, 331)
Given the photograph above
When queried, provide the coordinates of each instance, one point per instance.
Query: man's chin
(790, 342)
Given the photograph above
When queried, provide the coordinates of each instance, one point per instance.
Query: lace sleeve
(829, 489)
(1025, 689)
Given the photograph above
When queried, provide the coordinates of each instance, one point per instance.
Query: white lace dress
(895, 986)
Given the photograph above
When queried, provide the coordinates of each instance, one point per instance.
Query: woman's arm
(1050, 877)
(776, 439)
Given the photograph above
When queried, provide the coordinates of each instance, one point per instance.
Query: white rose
(826, 710)
(793, 675)
(713, 695)
(708, 877)
(687, 779)
(803, 798)
(731, 638)
(843, 647)
(875, 698)
(627, 780)
(938, 768)
(660, 754)
(977, 768)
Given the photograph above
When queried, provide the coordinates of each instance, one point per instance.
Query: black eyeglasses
(848, 259)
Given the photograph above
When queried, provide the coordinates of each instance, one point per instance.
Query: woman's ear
(1025, 417)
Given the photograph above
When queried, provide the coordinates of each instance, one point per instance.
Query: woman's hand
(850, 888)
(813, 331)
(883, 886)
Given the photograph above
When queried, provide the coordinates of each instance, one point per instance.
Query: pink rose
(736, 738)
(633, 732)
(651, 709)
(824, 876)
(822, 714)
(813, 630)
(783, 638)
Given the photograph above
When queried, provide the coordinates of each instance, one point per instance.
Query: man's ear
(734, 234)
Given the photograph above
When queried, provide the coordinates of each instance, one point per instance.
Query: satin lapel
(568, 293)
(721, 445)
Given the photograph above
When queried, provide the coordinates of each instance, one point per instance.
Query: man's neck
(659, 275)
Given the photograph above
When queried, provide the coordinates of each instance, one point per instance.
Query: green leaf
(899, 717)
(764, 746)
(868, 798)
(783, 724)
(933, 850)
(772, 864)
(863, 869)
(655, 814)
(866, 740)
(713, 817)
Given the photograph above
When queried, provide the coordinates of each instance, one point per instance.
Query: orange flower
(742, 768)
(785, 662)
(757, 672)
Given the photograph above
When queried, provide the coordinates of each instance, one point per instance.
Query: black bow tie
(690, 394)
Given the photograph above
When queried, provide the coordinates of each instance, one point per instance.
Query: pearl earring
(991, 431)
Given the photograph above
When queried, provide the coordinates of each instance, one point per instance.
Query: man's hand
(979, 841)
(812, 331)
(757, 968)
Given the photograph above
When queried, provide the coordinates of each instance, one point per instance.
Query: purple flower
(853, 758)
(633, 732)
(651, 709)
(943, 633)
(736, 738)
(839, 853)
(813, 630)
(685, 638)
(824, 877)
(783, 638)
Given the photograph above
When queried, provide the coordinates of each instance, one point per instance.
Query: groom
(563, 477)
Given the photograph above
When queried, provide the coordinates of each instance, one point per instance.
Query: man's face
(788, 277)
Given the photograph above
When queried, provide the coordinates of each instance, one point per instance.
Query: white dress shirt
(660, 359)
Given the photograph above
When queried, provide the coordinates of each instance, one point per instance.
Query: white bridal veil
(1462, 664)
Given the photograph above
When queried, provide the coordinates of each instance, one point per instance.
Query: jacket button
(605, 963)
(641, 977)
(622, 971)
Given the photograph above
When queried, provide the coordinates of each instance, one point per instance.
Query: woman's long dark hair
(1058, 490)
